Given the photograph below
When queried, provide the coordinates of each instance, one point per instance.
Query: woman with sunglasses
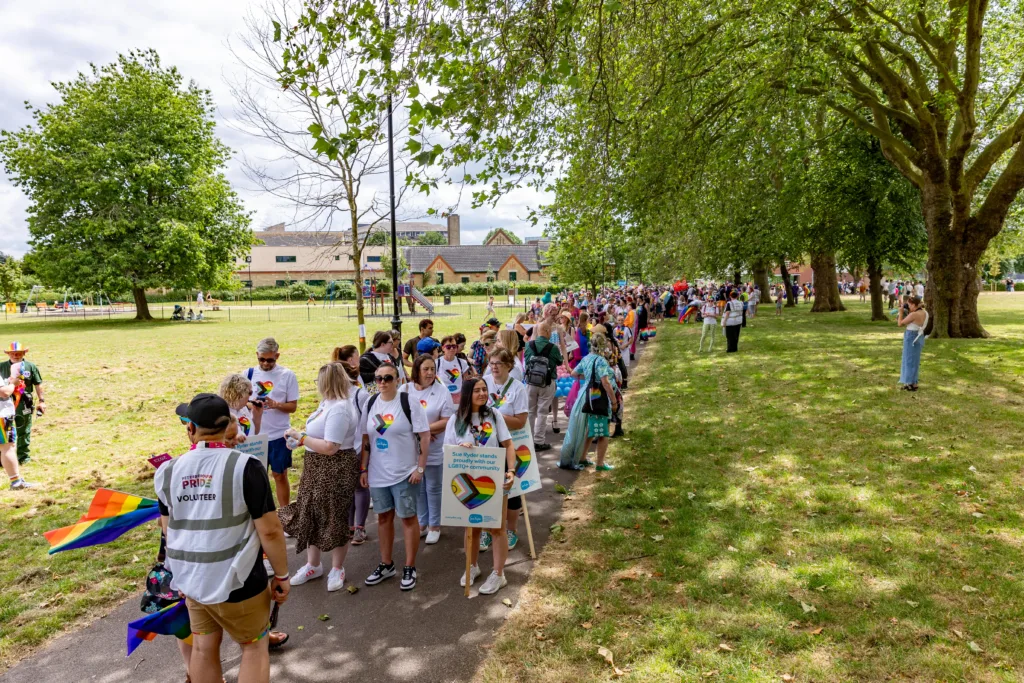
(432, 395)
(507, 395)
(395, 437)
(451, 369)
(475, 424)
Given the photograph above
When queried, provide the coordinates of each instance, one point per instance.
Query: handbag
(596, 400)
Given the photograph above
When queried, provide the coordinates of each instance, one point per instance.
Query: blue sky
(42, 42)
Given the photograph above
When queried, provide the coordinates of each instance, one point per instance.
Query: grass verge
(786, 513)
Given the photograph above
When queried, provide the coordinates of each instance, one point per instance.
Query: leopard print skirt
(319, 515)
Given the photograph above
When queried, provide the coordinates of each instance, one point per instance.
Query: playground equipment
(424, 301)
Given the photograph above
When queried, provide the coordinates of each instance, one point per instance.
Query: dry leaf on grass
(817, 631)
(610, 658)
(808, 608)
(506, 602)
(657, 538)
(587, 625)
(968, 589)
(975, 647)
(788, 677)
(732, 549)
(725, 647)
(958, 634)
(709, 674)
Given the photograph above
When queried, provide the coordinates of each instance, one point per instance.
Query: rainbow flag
(110, 515)
(170, 621)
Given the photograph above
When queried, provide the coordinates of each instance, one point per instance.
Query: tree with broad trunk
(126, 183)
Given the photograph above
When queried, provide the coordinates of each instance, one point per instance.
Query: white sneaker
(433, 536)
(493, 584)
(474, 574)
(307, 572)
(335, 580)
(424, 531)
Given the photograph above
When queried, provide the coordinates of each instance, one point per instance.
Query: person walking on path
(277, 390)
(709, 311)
(437, 403)
(914, 317)
(28, 404)
(217, 511)
(395, 437)
(543, 357)
(318, 519)
(732, 322)
(475, 424)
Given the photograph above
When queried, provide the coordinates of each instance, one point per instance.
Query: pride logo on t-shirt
(486, 429)
(244, 424)
(497, 400)
(423, 403)
(383, 422)
(453, 374)
(263, 389)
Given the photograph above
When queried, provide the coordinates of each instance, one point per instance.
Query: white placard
(527, 468)
(362, 331)
(256, 446)
(471, 487)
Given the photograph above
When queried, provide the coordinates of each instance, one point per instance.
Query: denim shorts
(400, 497)
(279, 458)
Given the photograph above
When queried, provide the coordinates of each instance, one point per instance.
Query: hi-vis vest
(211, 539)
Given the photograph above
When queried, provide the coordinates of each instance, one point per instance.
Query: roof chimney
(454, 236)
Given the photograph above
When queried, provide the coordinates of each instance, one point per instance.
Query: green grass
(786, 510)
(111, 389)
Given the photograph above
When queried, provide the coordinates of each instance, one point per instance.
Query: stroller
(179, 313)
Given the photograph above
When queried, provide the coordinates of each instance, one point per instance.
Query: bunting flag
(170, 621)
(110, 515)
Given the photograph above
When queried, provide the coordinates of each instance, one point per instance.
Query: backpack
(403, 398)
(538, 368)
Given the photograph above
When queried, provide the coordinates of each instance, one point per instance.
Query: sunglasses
(451, 346)
(266, 360)
(384, 379)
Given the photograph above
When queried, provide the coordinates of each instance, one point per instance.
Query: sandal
(277, 639)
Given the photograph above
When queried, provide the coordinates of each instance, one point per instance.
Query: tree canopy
(126, 183)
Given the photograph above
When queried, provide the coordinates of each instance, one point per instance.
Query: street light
(396, 321)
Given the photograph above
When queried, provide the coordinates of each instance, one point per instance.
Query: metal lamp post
(396, 321)
(248, 260)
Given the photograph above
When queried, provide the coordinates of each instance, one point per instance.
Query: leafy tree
(433, 239)
(514, 238)
(126, 183)
(378, 238)
(10, 277)
(386, 265)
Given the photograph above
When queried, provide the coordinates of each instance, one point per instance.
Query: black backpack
(538, 368)
(403, 398)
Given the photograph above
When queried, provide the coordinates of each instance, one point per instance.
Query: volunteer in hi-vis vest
(217, 511)
(277, 390)
(395, 437)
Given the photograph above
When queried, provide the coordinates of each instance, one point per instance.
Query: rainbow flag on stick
(110, 515)
(170, 621)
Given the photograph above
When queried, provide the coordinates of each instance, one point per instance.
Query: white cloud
(42, 42)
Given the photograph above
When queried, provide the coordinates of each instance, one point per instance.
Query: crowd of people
(376, 441)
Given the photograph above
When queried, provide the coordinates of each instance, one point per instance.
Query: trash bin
(22, 306)
(447, 300)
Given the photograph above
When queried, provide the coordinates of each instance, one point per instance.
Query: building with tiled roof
(472, 263)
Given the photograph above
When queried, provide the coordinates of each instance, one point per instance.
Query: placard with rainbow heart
(527, 467)
(471, 487)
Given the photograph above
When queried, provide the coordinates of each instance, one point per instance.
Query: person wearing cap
(219, 516)
(428, 347)
(9, 387)
(411, 349)
(26, 403)
(276, 389)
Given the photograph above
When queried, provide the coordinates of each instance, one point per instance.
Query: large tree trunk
(954, 249)
(141, 305)
(875, 287)
(826, 284)
(787, 283)
(737, 277)
(761, 281)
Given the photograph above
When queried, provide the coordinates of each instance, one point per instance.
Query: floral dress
(596, 367)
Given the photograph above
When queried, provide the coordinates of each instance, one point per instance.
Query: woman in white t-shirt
(236, 389)
(431, 394)
(451, 369)
(318, 519)
(509, 339)
(475, 424)
(508, 396)
(709, 311)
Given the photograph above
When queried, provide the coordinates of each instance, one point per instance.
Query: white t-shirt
(516, 371)
(490, 433)
(335, 421)
(710, 312)
(451, 373)
(510, 398)
(437, 403)
(279, 384)
(919, 290)
(394, 444)
(246, 426)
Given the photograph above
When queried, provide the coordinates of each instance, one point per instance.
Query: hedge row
(496, 288)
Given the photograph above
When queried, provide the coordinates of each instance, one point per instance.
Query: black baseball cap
(208, 411)
(493, 322)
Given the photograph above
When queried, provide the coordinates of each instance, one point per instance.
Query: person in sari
(585, 428)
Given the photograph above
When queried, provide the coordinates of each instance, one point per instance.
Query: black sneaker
(541, 447)
(408, 578)
(383, 571)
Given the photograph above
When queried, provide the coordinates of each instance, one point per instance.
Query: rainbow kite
(170, 621)
(110, 515)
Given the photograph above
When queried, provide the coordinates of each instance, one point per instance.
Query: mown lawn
(786, 513)
(111, 392)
